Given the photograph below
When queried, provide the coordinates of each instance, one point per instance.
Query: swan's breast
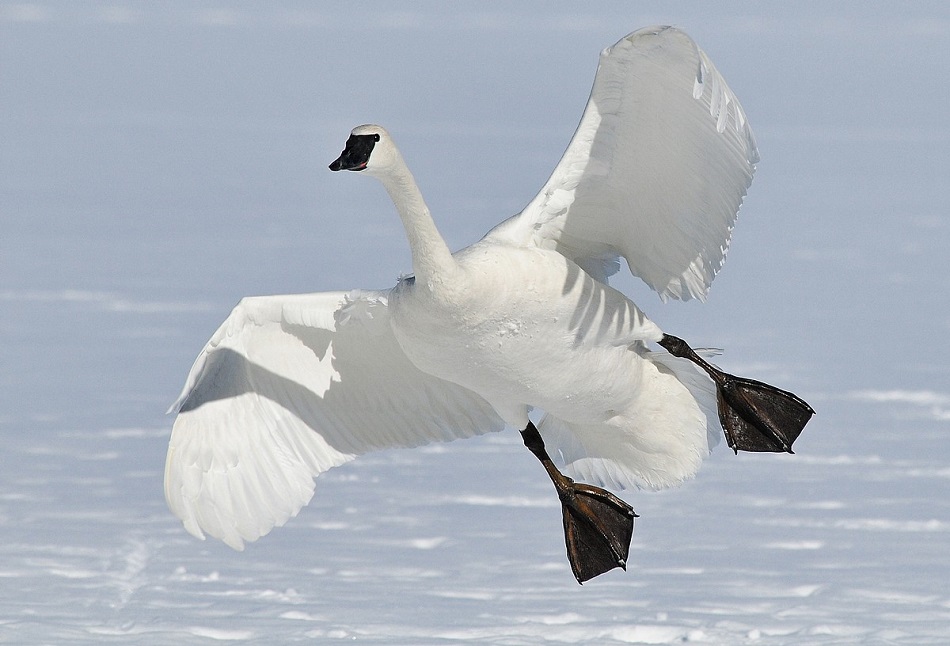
(523, 325)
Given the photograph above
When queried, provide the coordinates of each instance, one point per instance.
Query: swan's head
(369, 148)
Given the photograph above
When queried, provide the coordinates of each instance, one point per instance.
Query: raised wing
(655, 173)
(288, 387)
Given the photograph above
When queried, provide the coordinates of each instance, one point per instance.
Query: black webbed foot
(759, 417)
(754, 415)
(598, 526)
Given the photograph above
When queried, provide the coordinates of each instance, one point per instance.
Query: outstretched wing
(655, 173)
(288, 387)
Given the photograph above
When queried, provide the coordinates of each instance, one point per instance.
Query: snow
(157, 164)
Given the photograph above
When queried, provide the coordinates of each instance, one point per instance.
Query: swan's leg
(598, 525)
(755, 416)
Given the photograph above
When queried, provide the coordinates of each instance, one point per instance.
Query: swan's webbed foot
(598, 525)
(754, 416)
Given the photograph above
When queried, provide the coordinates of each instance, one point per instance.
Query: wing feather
(288, 387)
(655, 172)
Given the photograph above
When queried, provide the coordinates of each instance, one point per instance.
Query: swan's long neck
(431, 259)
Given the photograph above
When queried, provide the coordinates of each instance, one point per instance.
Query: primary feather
(288, 387)
(655, 172)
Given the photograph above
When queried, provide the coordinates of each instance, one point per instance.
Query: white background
(160, 160)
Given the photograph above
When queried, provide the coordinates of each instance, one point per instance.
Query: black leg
(754, 416)
(598, 525)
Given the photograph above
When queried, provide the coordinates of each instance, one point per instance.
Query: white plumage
(290, 386)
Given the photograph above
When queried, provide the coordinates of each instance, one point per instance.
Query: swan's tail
(659, 442)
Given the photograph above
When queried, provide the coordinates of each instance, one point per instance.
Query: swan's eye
(376, 137)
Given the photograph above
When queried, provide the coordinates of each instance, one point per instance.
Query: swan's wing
(288, 387)
(655, 173)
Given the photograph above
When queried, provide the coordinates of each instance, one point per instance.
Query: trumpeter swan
(290, 386)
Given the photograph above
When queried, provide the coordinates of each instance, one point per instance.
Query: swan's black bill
(598, 525)
(355, 155)
(754, 416)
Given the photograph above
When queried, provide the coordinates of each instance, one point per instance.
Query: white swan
(290, 386)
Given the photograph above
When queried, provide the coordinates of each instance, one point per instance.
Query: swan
(524, 319)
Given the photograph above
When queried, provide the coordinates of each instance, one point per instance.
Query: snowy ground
(156, 164)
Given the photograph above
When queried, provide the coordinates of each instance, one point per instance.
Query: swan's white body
(291, 386)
